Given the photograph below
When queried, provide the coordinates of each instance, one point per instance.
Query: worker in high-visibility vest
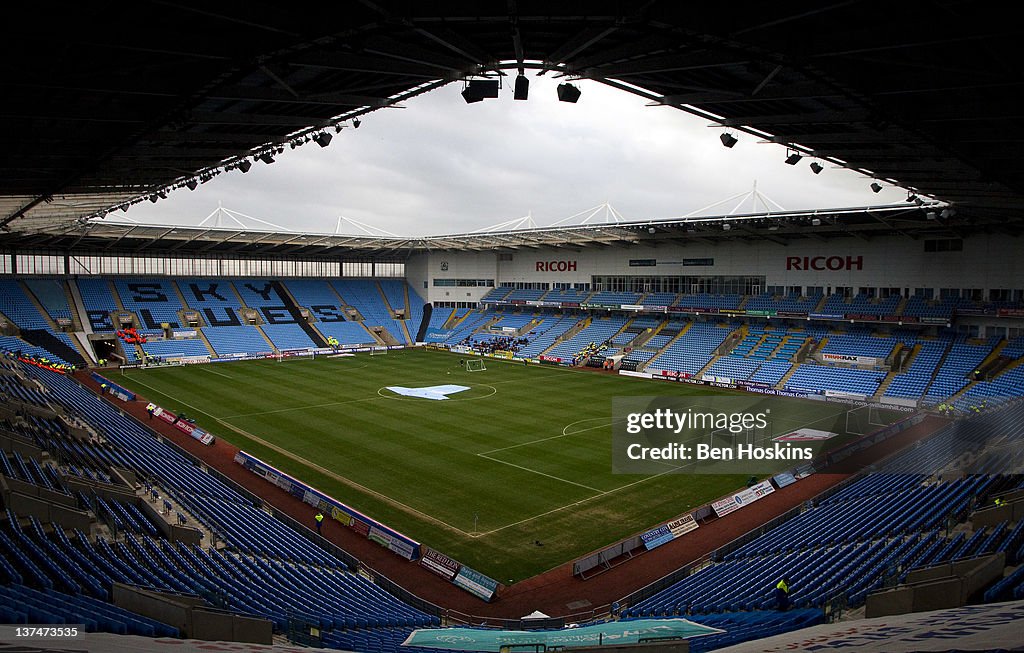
(782, 594)
(319, 522)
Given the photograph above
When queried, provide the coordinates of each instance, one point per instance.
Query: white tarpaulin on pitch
(437, 392)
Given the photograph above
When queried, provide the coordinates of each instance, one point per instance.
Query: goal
(753, 435)
(475, 365)
(295, 355)
(864, 419)
(378, 351)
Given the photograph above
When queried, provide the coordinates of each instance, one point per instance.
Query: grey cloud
(441, 166)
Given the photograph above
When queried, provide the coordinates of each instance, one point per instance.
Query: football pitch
(512, 476)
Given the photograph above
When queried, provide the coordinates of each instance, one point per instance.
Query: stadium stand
(567, 295)
(691, 351)
(50, 293)
(545, 334)
(705, 300)
(496, 295)
(956, 369)
(182, 347)
(812, 378)
(236, 340)
(17, 306)
(365, 296)
(154, 301)
(214, 299)
(851, 542)
(99, 302)
(598, 331)
(267, 569)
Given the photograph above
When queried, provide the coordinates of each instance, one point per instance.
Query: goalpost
(378, 351)
(757, 436)
(295, 354)
(864, 419)
(475, 365)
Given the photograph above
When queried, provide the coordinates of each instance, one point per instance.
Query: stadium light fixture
(816, 167)
(522, 88)
(816, 222)
(323, 139)
(793, 157)
(911, 197)
(728, 139)
(568, 93)
(726, 227)
(356, 122)
(192, 184)
(153, 198)
(876, 187)
(478, 89)
(266, 157)
(244, 165)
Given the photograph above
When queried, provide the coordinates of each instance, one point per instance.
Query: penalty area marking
(534, 471)
(574, 504)
(494, 391)
(565, 432)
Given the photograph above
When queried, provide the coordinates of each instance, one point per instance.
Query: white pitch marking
(534, 471)
(226, 376)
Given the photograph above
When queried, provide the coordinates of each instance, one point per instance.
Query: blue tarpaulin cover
(612, 632)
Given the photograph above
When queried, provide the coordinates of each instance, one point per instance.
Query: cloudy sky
(443, 166)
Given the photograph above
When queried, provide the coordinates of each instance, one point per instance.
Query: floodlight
(522, 88)
(323, 139)
(192, 184)
(478, 89)
(793, 158)
(816, 222)
(244, 165)
(568, 93)
(356, 122)
(816, 167)
(266, 157)
(728, 139)
(875, 186)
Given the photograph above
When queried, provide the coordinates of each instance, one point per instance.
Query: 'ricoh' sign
(830, 263)
(556, 266)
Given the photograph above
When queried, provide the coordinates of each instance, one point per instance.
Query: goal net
(295, 355)
(378, 351)
(757, 436)
(864, 419)
(475, 365)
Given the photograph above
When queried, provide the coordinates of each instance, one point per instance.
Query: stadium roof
(119, 238)
(110, 103)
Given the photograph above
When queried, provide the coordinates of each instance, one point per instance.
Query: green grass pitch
(522, 457)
